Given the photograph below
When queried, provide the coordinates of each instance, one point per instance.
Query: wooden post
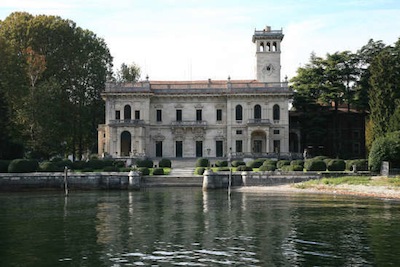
(66, 180)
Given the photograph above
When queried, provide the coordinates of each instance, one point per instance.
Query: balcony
(258, 122)
(189, 124)
(127, 122)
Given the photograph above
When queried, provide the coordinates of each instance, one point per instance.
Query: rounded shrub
(23, 165)
(164, 163)
(200, 170)
(257, 163)
(296, 168)
(361, 164)
(297, 162)
(221, 163)
(49, 166)
(144, 163)
(63, 163)
(119, 164)
(237, 163)
(267, 167)
(282, 163)
(158, 171)
(223, 169)
(144, 170)
(244, 168)
(78, 165)
(320, 158)
(270, 162)
(385, 148)
(314, 165)
(336, 165)
(202, 162)
(286, 168)
(111, 169)
(98, 164)
(4, 165)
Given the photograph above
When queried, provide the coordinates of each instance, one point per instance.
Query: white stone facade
(173, 119)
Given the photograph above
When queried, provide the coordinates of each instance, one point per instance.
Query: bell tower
(268, 54)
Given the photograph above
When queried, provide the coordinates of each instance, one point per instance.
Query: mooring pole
(66, 180)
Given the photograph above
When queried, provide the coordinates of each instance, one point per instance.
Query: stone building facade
(177, 119)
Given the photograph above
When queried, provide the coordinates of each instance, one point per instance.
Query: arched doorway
(126, 141)
(258, 142)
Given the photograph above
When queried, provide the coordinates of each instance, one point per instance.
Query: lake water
(188, 227)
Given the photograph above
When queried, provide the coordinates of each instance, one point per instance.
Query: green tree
(129, 73)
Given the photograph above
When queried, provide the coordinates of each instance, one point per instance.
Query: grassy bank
(351, 180)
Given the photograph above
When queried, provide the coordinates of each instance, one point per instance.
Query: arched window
(276, 113)
(127, 112)
(268, 48)
(261, 47)
(274, 47)
(239, 113)
(257, 112)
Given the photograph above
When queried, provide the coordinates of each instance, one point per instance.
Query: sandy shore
(344, 189)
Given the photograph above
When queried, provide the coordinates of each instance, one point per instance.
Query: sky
(210, 39)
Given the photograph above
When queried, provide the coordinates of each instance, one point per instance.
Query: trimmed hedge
(257, 163)
(144, 170)
(200, 170)
(361, 164)
(202, 162)
(158, 171)
(268, 167)
(237, 163)
(282, 163)
(223, 169)
(244, 168)
(23, 165)
(164, 163)
(270, 162)
(221, 163)
(314, 165)
(48, 166)
(296, 168)
(111, 169)
(297, 162)
(78, 165)
(336, 165)
(144, 163)
(4, 165)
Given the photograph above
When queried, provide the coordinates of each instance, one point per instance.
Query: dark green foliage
(282, 163)
(202, 162)
(336, 165)
(158, 171)
(314, 165)
(223, 169)
(119, 164)
(296, 168)
(286, 168)
(237, 163)
(200, 170)
(110, 169)
(63, 163)
(257, 163)
(385, 148)
(320, 158)
(298, 162)
(145, 163)
(98, 164)
(124, 169)
(164, 163)
(87, 170)
(270, 162)
(49, 166)
(78, 165)
(267, 167)
(244, 168)
(361, 164)
(4, 165)
(23, 165)
(144, 170)
(221, 163)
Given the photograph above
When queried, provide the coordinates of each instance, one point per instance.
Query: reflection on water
(181, 226)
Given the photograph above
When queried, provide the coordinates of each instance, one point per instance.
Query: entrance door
(199, 149)
(257, 146)
(125, 143)
(219, 148)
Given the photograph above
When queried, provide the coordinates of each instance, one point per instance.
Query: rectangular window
(199, 115)
(219, 114)
(239, 146)
(219, 148)
(117, 115)
(276, 131)
(179, 149)
(179, 115)
(199, 149)
(137, 114)
(239, 132)
(159, 149)
(159, 114)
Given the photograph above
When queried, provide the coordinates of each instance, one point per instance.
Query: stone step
(181, 172)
